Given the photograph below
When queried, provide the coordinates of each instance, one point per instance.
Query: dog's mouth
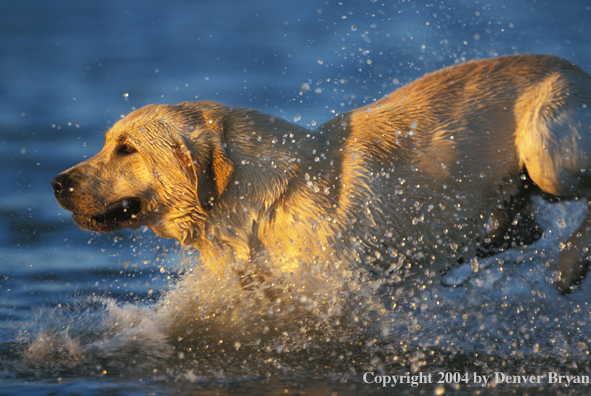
(121, 214)
(122, 211)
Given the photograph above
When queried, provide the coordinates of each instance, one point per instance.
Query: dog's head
(160, 166)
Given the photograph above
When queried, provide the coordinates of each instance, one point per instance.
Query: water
(128, 313)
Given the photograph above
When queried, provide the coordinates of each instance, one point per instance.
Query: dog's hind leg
(574, 259)
(553, 141)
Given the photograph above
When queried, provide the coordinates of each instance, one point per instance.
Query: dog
(433, 172)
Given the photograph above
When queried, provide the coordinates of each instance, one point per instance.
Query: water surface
(129, 313)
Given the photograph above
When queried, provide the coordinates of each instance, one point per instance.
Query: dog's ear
(213, 178)
(203, 153)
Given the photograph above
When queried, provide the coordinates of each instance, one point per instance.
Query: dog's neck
(269, 155)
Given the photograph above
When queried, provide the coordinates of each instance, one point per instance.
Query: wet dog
(431, 173)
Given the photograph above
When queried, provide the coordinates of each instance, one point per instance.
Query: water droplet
(439, 390)
(559, 221)
(474, 264)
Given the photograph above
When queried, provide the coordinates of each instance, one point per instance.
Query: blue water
(82, 313)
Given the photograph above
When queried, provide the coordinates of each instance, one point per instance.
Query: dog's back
(435, 158)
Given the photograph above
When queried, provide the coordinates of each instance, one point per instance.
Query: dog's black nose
(60, 183)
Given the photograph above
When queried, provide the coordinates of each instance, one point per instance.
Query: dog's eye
(127, 149)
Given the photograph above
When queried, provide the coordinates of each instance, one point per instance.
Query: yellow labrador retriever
(427, 174)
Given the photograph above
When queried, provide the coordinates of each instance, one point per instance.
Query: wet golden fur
(412, 178)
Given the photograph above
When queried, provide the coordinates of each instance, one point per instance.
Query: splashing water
(209, 329)
(215, 324)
